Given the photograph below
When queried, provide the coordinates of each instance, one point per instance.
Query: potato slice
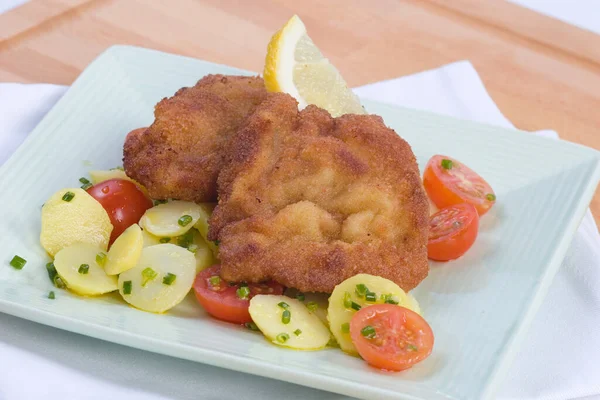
(304, 331)
(125, 251)
(68, 262)
(202, 225)
(340, 314)
(149, 239)
(202, 252)
(80, 220)
(163, 220)
(317, 303)
(146, 281)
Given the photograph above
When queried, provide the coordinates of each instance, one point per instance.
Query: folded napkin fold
(559, 359)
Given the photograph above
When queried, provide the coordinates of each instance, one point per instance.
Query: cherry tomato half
(448, 181)
(391, 337)
(124, 202)
(452, 231)
(221, 300)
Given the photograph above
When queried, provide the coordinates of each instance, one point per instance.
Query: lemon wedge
(294, 65)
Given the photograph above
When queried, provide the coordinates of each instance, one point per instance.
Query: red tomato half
(124, 202)
(220, 298)
(391, 337)
(452, 231)
(448, 181)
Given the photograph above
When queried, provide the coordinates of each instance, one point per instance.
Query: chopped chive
(347, 300)
(193, 248)
(312, 306)
(184, 220)
(412, 347)
(165, 240)
(51, 271)
(18, 262)
(84, 180)
(51, 295)
(251, 325)
(101, 259)
(282, 337)
(59, 282)
(368, 332)
(68, 196)
(127, 287)
(283, 305)
(346, 328)
(243, 292)
(215, 280)
(84, 269)
(169, 279)
(148, 274)
(300, 297)
(361, 290)
(371, 297)
(389, 299)
(447, 164)
(297, 332)
(286, 316)
(86, 186)
(186, 239)
(157, 202)
(355, 306)
(217, 242)
(490, 197)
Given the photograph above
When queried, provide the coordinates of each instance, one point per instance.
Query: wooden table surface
(542, 73)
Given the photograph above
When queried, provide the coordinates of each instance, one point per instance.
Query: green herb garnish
(68, 196)
(169, 279)
(368, 332)
(84, 269)
(282, 337)
(18, 262)
(184, 220)
(148, 274)
(127, 287)
(447, 164)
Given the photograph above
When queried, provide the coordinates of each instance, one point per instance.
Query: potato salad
(109, 236)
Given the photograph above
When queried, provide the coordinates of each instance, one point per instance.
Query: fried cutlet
(309, 200)
(180, 155)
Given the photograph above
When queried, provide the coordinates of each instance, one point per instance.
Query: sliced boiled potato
(147, 282)
(149, 239)
(202, 252)
(202, 225)
(317, 303)
(304, 331)
(412, 303)
(73, 216)
(169, 219)
(70, 260)
(340, 310)
(125, 251)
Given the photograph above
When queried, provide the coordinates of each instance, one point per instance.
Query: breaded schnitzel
(309, 200)
(180, 155)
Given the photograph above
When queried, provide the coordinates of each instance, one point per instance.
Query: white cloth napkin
(560, 358)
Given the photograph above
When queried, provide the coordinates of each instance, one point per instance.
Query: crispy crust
(309, 201)
(180, 155)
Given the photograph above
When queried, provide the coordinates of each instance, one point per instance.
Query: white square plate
(478, 306)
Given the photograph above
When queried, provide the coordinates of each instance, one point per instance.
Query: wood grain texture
(542, 73)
